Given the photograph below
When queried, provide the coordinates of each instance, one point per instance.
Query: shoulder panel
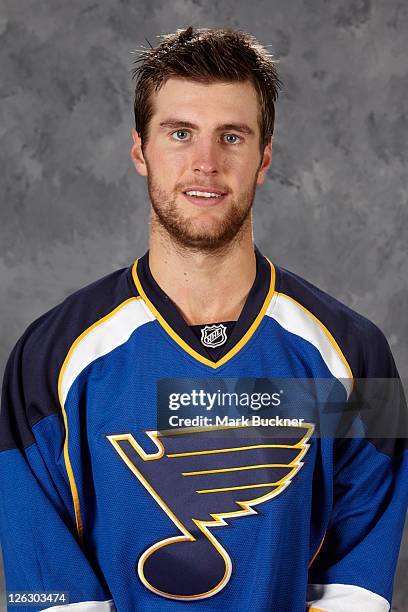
(30, 385)
(362, 343)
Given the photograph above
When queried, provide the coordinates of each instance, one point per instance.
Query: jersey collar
(166, 313)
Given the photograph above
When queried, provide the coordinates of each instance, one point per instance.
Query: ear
(137, 155)
(265, 163)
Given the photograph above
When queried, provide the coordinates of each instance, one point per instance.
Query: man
(120, 506)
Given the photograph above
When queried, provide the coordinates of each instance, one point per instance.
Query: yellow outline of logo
(218, 521)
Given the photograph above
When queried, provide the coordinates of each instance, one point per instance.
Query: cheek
(245, 161)
(172, 163)
(244, 170)
(164, 169)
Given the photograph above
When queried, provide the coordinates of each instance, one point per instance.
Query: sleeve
(356, 565)
(41, 549)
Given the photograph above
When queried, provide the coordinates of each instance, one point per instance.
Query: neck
(205, 287)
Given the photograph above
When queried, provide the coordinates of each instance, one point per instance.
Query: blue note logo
(201, 480)
(213, 335)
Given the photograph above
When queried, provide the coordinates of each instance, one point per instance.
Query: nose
(206, 158)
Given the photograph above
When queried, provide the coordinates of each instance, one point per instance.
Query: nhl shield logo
(213, 335)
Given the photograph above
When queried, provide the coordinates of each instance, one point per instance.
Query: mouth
(205, 197)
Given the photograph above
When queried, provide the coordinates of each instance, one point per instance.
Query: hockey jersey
(111, 495)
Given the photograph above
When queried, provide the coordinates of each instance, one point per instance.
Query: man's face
(203, 139)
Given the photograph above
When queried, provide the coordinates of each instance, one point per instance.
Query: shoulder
(60, 325)
(30, 384)
(361, 341)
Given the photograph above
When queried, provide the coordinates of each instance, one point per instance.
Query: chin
(207, 242)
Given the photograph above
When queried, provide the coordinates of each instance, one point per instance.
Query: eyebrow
(235, 127)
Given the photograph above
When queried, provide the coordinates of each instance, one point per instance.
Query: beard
(187, 233)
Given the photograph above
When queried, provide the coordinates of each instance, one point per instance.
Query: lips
(195, 195)
(205, 201)
(205, 189)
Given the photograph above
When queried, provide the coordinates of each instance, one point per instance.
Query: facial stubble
(185, 233)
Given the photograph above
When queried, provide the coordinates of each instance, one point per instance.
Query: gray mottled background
(334, 208)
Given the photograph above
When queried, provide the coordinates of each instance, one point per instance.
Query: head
(204, 113)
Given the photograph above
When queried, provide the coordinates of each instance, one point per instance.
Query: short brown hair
(206, 55)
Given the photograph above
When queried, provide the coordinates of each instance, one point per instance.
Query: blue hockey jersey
(99, 501)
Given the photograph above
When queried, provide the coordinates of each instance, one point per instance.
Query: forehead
(220, 101)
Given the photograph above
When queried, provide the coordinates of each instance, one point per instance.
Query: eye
(180, 135)
(232, 138)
